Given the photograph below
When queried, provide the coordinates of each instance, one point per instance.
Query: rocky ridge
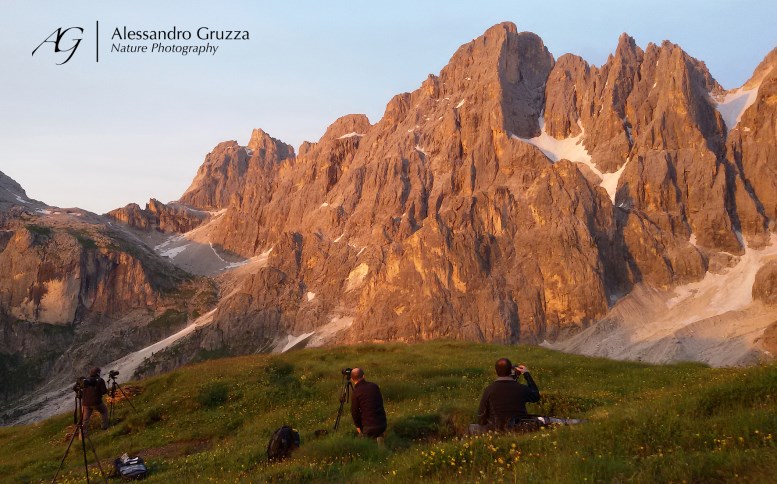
(168, 218)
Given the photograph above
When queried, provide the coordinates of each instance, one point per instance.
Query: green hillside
(213, 420)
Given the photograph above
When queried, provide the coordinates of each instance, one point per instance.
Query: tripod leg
(344, 397)
(339, 414)
(83, 448)
(126, 397)
(96, 458)
(72, 438)
(110, 408)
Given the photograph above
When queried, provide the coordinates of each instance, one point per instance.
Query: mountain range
(625, 211)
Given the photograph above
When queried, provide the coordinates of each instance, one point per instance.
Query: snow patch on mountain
(572, 149)
(350, 135)
(172, 253)
(733, 104)
(714, 320)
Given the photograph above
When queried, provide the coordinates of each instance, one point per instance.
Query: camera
(82, 383)
(79, 384)
(347, 372)
(113, 374)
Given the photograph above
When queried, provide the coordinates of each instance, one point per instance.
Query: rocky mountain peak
(505, 71)
(261, 141)
(500, 29)
(11, 193)
(264, 150)
(627, 47)
(223, 173)
(347, 126)
(9, 184)
(258, 138)
(219, 177)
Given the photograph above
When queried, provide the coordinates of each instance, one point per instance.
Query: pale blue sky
(101, 135)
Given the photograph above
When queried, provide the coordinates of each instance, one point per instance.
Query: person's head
(357, 374)
(503, 367)
(94, 372)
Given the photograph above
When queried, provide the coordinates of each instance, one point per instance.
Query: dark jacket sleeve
(483, 409)
(356, 413)
(533, 394)
(101, 388)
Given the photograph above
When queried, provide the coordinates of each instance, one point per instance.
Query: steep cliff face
(647, 118)
(438, 221)
(79, 292)
(60, 275)
(751, 146)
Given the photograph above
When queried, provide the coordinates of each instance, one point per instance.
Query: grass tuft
(213, 394)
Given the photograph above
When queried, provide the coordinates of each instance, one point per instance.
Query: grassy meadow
(212, 421)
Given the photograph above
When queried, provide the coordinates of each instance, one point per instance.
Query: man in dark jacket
(367, 410)
(505, 399)
(94, 389)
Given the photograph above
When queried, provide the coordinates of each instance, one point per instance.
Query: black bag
(525, 424)
(131, 468)
(283, 441)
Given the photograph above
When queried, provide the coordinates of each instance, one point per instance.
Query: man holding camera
(94, 389)
(367, 410)
(504, 401)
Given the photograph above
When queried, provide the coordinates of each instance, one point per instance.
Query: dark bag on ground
(282, 443)
(532, 423)
(129, 468)
(525, 424)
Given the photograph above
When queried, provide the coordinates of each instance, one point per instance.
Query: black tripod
(114, 386)
(78, 419)
(345, 396)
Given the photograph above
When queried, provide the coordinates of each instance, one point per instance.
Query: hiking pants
(87, 414)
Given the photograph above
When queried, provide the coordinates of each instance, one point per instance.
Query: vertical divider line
(97, 41)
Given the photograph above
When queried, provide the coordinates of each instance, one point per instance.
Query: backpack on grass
(129, 468)
(282, 443)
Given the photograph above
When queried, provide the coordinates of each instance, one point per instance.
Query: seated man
(367, 410)
(504, 401)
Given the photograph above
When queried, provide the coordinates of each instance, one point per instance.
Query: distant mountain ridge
(513, 197)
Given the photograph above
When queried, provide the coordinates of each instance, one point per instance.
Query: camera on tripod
(345, 395)
(82, 383)
(113, 374)
(79, 386)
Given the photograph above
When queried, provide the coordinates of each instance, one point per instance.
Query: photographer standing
(505, 399)
(367, 410)
(94, 389)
